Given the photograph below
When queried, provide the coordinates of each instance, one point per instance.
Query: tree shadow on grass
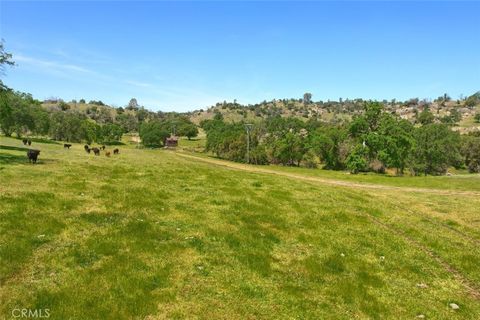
(10, 159)
(2, 147)
(6, 158)
(39, 140)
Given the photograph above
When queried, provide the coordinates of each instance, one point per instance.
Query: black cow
(29, 142)
(102, 147)
(33, 155)
(96, 151)
(116, 151)
(24, 141)
(67, 145)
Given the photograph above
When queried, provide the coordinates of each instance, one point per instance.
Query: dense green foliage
(436, 148)
(471, 152)
(330, 144)
(373, 141)
(153, 133)
(22, 115)
(425, 117)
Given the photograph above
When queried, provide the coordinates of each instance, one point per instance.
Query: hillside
(97, 110)
(329, 111)
(338, 111)
(413, 137)
(154, 234)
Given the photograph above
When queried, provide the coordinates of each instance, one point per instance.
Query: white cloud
(179, 95)
(51, 65)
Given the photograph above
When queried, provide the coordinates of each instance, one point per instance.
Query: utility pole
(248, 128)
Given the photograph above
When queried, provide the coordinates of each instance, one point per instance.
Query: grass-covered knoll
(151, 234)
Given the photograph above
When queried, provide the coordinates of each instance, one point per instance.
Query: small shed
(171, 142)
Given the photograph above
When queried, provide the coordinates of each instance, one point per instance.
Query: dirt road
(333, 182)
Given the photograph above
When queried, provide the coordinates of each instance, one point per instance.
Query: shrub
(309, 159)
(152, 134)
(471, 153)
(477, 117)
(436, 148)
(356, 160)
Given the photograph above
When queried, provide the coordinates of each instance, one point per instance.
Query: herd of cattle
(96, 150)
(33, 154)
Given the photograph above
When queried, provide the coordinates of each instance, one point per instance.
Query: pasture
(156, 234)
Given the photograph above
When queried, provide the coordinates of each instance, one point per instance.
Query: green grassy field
(458, 181)
(152, 234)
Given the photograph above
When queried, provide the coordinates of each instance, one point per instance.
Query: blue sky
(179, 56)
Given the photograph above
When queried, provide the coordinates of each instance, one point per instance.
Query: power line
(248, 128)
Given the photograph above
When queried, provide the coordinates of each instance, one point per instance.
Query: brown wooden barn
(171, 142)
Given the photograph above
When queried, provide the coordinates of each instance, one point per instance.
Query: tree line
(154, 133)
(375, 140)
(21, 114)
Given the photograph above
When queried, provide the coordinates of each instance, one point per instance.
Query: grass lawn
(151, 234)
(468, 182)
(458, 181)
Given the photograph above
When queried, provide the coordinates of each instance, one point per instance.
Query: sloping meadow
(150, 234)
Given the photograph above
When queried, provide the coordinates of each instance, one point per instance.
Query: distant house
(171, 142)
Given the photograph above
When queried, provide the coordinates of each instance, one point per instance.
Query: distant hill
(339, 111)
(101, 113)
(476, 95)
(326, 111)
(128, 117)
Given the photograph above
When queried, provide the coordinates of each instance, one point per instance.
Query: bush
(436, 148)
(258, 155)
(477, 117)
(152, 134)
(309, 160)
(356, 161)
(471, 153)
(64, 106)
